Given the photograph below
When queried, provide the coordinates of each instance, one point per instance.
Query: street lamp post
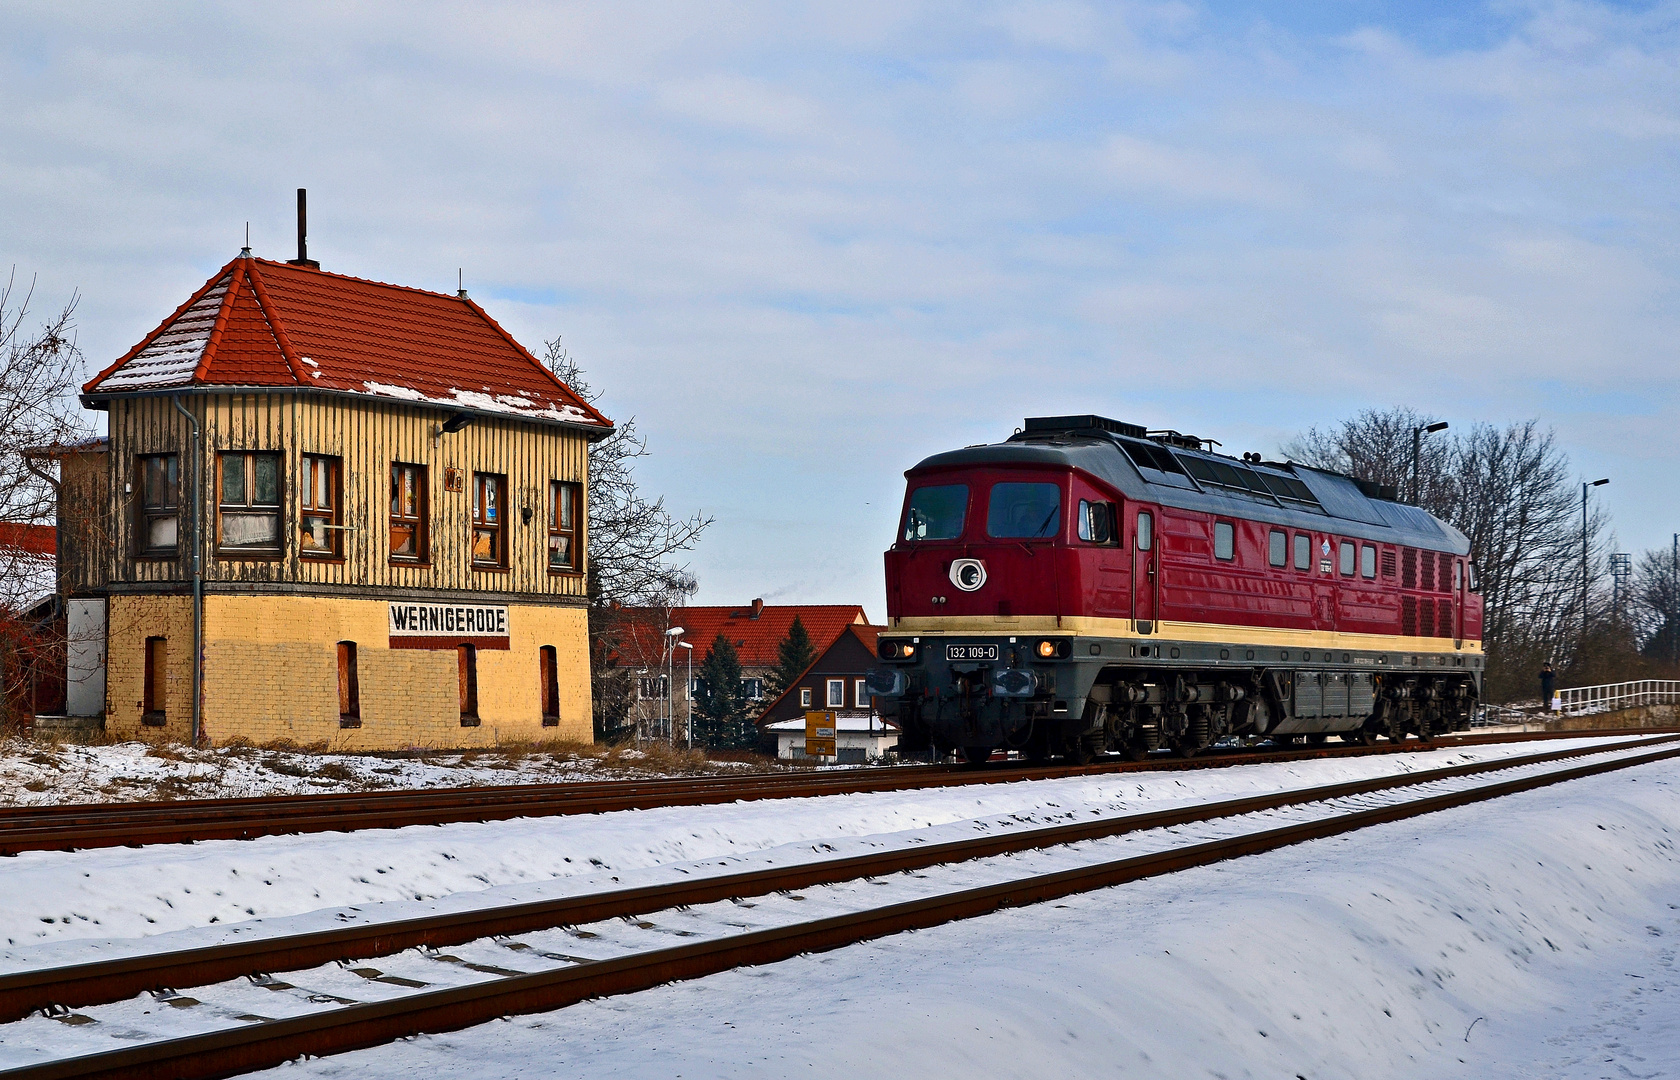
(688, 695)
(1418, 433)
(671, 637)
(1584, 486)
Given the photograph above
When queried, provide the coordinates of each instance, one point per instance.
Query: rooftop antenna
(460, 284)
(303, 258)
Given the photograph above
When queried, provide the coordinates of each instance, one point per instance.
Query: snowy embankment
(1532, 936)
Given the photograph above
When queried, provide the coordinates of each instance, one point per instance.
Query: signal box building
(388, 493)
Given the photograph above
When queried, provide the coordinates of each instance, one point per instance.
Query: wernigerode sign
(446, 626)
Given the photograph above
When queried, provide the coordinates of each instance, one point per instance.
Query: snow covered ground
(44, 774)
(1531, 937)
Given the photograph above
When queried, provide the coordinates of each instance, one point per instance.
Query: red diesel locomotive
(1088, 586)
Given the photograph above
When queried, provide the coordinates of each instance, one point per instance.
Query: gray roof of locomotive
(1342, 507)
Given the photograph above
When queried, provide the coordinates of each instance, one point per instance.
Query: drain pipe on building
(197, 575)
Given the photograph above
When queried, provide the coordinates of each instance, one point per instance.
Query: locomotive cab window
(936, 513)
(1303, 551)
(1346, 560)
(1023, 511)
(1277, 549)
(1096, 522)
(1145, 530)
(1224, 540)
(1367, 561)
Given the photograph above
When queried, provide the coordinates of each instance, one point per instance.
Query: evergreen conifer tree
(793, 656)
(722, 717)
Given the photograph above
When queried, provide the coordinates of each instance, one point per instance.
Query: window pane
(484, 545)
(490, 508)
(315, 535)
(1347, 558)
(836, 694)
(323, 485)
(1084, 520)
(1303, 551)
(565, 506)
(161, 532)
(411, 493)
(1224, 540)
(560, 551)
(936, 513)
(233, 479)
(1368, 561)
(1278, 554)
(1145, 531)
(251, 530)
(1023, 511)
(402, 540)
(266, 485)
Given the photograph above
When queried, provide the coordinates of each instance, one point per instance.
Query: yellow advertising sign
(819, 734)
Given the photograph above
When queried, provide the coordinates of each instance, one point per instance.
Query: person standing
(1548, 685)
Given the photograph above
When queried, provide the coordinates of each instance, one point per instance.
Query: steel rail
(92, 825)
(352, 1027)
(105, 981)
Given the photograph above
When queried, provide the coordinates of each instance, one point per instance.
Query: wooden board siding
(366, 436)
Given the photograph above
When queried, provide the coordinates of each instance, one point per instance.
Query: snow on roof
(28, 565)
(264, 323)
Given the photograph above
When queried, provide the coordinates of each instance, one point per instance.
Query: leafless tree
(1655, 608)
(1510, 490)
(633, 549)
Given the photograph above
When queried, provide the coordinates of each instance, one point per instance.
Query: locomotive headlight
(968, 574)
(1047, 649)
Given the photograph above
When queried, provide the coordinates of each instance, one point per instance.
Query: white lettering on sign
(433, 620)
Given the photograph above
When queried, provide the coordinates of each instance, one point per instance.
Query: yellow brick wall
(271, 673)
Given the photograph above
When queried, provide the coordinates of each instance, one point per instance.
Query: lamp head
(675, 631)
(1441, 426)
(457, 422)
(1600, 483)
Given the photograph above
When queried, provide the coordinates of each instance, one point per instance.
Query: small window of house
(1367, 561)
(318, 531)
(861, 694)
(1277, 548)
(1347, 558)
(157, 528)
(349, 690)
(565, 503)
(1145, 531)
(154, 703)
(1303, 551)
(1224, 540)
(805, 697)
(652, 688)
(837, 693)
(408, 512)
(489, 533)
(467, 660)
(250, 503)
(1096, 522)
(936, 513)
(1024, 511)
(548, 676)
(752, 689)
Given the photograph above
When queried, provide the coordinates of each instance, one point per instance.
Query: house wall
(271, 674)
(367, 436)
(848, 659)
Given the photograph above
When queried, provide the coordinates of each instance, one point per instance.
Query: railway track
(535, 957)
(94, 825)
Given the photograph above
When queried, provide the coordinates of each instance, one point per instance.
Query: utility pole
(1584, 486)
(1418, 433)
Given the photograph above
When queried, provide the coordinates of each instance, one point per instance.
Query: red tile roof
(270, 324)
(755, 640)
(868, 635)
(34, 539)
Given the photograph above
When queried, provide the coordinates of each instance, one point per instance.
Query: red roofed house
(834, 682)
(755, 630)
(390, 503)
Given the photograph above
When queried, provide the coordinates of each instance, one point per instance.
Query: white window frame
(860, 693)
(836, 693)
(805, 697)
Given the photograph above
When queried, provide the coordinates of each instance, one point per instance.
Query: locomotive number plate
(971, 652)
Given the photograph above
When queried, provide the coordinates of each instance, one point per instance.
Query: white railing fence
(1623, 695)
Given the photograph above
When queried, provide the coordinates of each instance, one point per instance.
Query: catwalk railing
(1622, 695)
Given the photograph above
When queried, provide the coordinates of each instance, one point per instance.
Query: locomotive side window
(1096, 522)
(1224, 541)
(1278, 555)
(1475, 586)
(1347, 558)
(936, 513)
(1367, 561)
(1458, 576)
(1024, 511)
(1145, 531)
(1303, 551)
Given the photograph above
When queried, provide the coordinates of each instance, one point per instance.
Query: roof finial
(460, 284)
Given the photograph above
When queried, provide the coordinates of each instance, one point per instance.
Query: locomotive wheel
(1137, 750)
(1367, 736)
(1185, 748)
(976, 755)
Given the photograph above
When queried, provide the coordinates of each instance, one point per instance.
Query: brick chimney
(758, 606)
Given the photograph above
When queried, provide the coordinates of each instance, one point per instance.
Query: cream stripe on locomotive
(1218, 633)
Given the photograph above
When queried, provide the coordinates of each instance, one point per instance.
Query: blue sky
(807, 247)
